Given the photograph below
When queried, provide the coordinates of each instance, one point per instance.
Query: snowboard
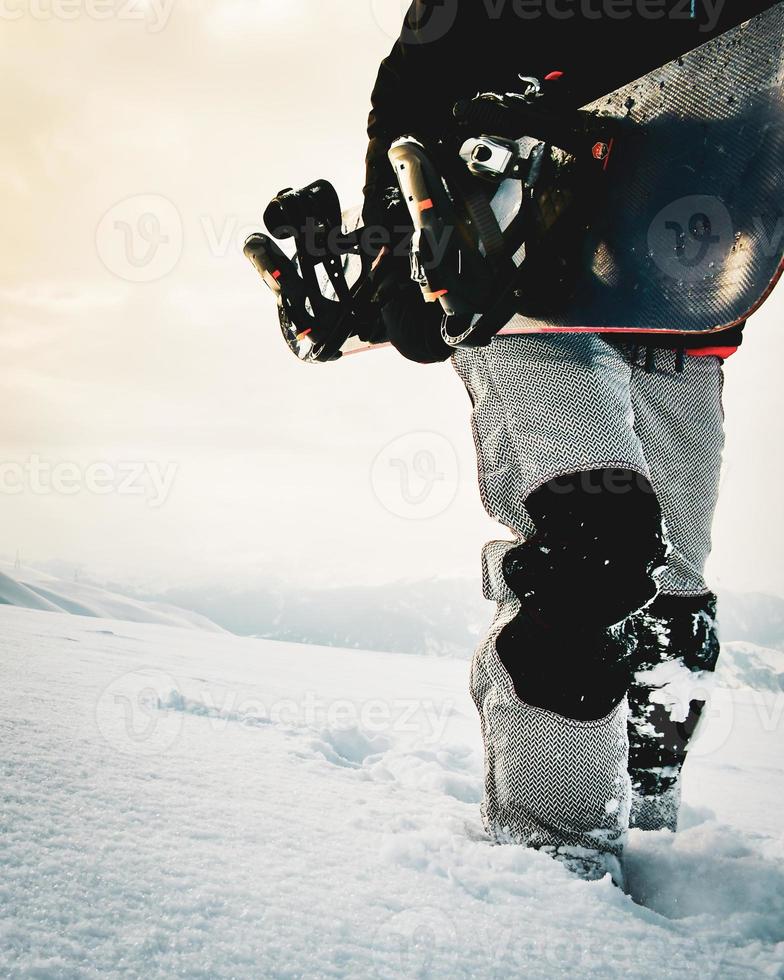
(688, 234)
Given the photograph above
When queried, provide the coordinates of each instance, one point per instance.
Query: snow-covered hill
(185, 803)
(34, 589)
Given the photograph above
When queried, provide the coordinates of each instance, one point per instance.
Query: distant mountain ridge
(444, 617)
(440, 617)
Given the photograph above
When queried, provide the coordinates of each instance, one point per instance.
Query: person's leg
(561, 465)
(679, 418)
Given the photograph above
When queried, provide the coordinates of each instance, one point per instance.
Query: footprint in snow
(349, 748)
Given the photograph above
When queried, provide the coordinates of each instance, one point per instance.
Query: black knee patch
(590, 565)
(599, 541)
(578, 672)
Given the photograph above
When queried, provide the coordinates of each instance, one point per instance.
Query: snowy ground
(184, 803)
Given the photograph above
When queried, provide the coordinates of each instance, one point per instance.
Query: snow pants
(547, 407)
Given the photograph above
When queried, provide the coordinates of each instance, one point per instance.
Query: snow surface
(184, 803)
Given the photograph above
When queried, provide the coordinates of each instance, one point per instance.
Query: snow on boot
(590, 865)
(552, 782)
(676, 654)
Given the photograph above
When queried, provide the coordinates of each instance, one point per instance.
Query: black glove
(411, 325)
(385, 209)
(414, 326)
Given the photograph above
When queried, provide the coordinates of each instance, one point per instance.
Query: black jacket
(451, 49)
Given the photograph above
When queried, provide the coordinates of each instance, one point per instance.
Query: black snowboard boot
(676, 653)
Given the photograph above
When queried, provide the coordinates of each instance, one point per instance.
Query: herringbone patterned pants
(551, 405)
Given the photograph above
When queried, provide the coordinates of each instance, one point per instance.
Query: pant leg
(679, 419)
(543, 407)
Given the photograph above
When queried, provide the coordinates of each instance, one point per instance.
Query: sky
(156, 430)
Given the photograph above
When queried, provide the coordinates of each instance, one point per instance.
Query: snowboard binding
(497, 224)
(324, 290)
(481, 207)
